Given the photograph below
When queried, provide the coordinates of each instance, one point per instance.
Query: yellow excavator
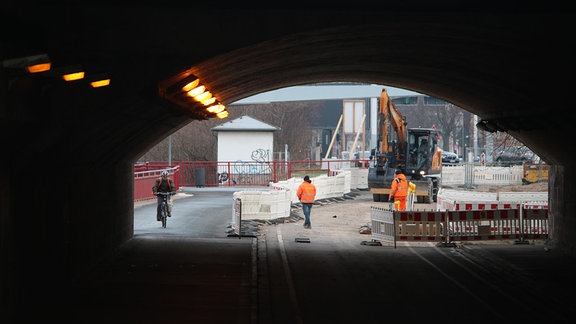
(415, 151)
(535, 172)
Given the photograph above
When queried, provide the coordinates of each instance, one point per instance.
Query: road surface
(191, 272)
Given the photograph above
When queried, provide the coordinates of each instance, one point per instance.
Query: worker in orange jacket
(306, 193)
(399, 190)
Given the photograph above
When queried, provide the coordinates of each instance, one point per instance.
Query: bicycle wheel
(164, 215)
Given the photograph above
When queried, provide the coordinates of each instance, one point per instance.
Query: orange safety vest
(399, 186)
(306, 193)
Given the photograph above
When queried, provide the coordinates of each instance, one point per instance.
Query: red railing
(146, 174)
(237, 173)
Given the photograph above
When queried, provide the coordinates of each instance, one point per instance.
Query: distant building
(354, 100)
(360, 133)
(245, 139)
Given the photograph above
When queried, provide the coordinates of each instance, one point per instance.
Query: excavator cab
(423, 147)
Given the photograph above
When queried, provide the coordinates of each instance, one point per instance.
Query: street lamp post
(170, 150)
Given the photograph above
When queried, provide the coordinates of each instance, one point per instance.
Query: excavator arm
(390, 116)
(421, 165)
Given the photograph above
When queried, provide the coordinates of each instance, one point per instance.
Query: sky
(324, 91)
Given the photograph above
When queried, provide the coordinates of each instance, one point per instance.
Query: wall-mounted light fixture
(98, 80)
(184, 87)
(41, 63)
(31, 64)
(217, 108)
(100, 83)
(68, 73)
(73, 76)
(40, 67)
(76, 72)
(72, 73)
(222, 114)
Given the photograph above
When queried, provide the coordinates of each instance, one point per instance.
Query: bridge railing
(247, 173)
(145, 177)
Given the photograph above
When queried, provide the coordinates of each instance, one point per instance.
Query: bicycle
(164, 207)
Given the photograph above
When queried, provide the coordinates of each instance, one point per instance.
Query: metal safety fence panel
(519, 223)
(383, 225)
(419, 226)
(534, 223)
(474, 225)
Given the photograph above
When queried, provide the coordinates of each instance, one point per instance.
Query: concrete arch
(69, 149)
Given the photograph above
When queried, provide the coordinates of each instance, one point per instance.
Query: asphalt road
(200, 214)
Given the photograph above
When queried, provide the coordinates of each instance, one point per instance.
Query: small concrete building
(245, 139)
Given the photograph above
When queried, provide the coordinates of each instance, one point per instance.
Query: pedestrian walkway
(170, 280)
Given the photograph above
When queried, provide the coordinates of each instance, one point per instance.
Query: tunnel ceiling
(510, 67)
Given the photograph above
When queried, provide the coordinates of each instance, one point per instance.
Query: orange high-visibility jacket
(399, 186)
(306, 193)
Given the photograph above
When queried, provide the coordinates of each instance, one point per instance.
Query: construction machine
(415, 151)
(535, 172)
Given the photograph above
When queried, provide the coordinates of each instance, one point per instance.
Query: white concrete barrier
(358, 177)
(276, 202)
(263, 204)
(454, 175)
(450, 199)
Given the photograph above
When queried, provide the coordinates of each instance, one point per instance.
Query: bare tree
(197, 142)
(294, 120)
(449, 120)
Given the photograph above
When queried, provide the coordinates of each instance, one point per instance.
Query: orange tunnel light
(36, 68)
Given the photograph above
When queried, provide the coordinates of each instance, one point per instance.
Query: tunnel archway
(497, 64)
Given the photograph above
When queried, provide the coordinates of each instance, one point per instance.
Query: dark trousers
(306, 208)
(158, 207)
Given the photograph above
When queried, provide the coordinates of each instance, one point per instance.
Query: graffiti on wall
(243, 171)
(260, 155)
(258, 164)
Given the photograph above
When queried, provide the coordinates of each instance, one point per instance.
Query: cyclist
(163, 184)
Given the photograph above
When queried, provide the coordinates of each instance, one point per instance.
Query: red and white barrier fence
(520, 222)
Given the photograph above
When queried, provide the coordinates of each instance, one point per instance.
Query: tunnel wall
(57, 226)
(562, 208)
